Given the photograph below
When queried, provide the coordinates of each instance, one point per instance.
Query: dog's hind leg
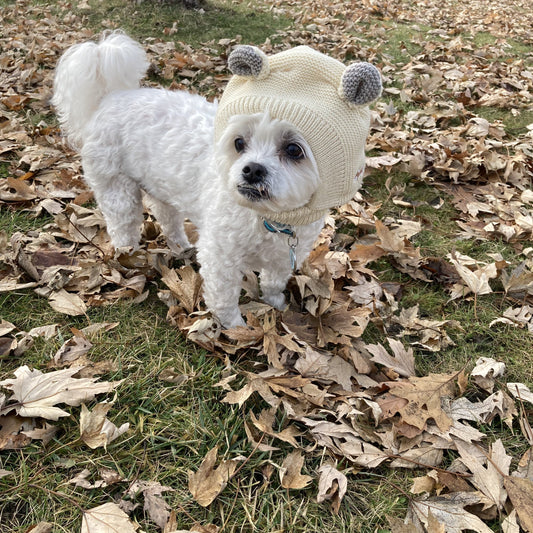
(121, 205)
(171, 221)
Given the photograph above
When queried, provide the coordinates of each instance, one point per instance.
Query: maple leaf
(208, 482)
(476, 281)
(424, 396)
(36, 393)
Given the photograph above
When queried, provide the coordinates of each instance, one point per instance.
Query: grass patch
(515, 125)
(215, 20)
(12, 220)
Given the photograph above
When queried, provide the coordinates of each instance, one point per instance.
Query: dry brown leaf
(520, 492)
(154, 505)
(208, 482)
(450, 511)
(321, 366)
(485, 372)
(107, 518)
(290, 472)
(332, 486)
(519, 390)
(37, 393)
(95, 429)
(72, 350)
(424, 396)
(12, 432)
(67, 303)
(488, 480)
(265, 424)
(185, 283)
(403, 361)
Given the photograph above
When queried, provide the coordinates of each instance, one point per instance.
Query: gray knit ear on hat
(360, 83)
(248, 61)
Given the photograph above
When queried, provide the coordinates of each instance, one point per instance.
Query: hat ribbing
(311, 91)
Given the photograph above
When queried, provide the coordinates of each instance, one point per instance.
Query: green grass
(217, 19)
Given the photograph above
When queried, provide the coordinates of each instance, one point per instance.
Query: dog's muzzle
(253, 186)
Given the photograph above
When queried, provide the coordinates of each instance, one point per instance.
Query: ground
(366, 405)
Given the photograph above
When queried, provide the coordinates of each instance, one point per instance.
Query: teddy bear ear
(248, 61)
(360, 83)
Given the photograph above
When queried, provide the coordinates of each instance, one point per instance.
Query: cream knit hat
(323, 99)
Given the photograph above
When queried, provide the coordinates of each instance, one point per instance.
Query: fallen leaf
(520, 492)
(67, 303)
(332, 485)
(37, 393)
(107, 518)
(95, 429)
(208, 482)
(450, 511)
(518, 390)
(154, 505)
(424, 396)
(485, 372)
(403, 361)
(290, 472)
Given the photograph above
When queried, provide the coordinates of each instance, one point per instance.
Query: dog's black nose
(254, 173)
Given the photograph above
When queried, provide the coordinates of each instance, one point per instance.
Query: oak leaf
(403, 361)
(450, 511)
(520, 492)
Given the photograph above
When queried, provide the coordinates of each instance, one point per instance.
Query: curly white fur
(135, 139)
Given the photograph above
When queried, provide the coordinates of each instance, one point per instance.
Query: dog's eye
(294, 151)
(240, 145)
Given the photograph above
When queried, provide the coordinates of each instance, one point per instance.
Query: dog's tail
(87, 72)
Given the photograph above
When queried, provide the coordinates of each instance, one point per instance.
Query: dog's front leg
(273, 283)
(222, 289)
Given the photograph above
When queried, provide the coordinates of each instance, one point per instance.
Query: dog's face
(267, 162)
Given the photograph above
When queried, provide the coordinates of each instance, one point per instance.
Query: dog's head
(268, 163)
(296, 125)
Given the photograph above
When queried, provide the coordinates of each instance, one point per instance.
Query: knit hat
(323, 99)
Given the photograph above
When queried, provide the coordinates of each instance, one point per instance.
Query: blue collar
(276, 227)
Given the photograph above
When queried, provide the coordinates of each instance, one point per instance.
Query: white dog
(254, 174)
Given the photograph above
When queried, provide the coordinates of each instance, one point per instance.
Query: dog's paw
(277, 301)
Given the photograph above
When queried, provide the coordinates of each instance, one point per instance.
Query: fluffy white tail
(87, 72)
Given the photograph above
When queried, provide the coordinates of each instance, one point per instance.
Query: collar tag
(292, 239)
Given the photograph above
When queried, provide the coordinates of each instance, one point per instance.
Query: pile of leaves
(317, 386)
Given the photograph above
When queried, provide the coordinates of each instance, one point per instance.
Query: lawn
(365, 406)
